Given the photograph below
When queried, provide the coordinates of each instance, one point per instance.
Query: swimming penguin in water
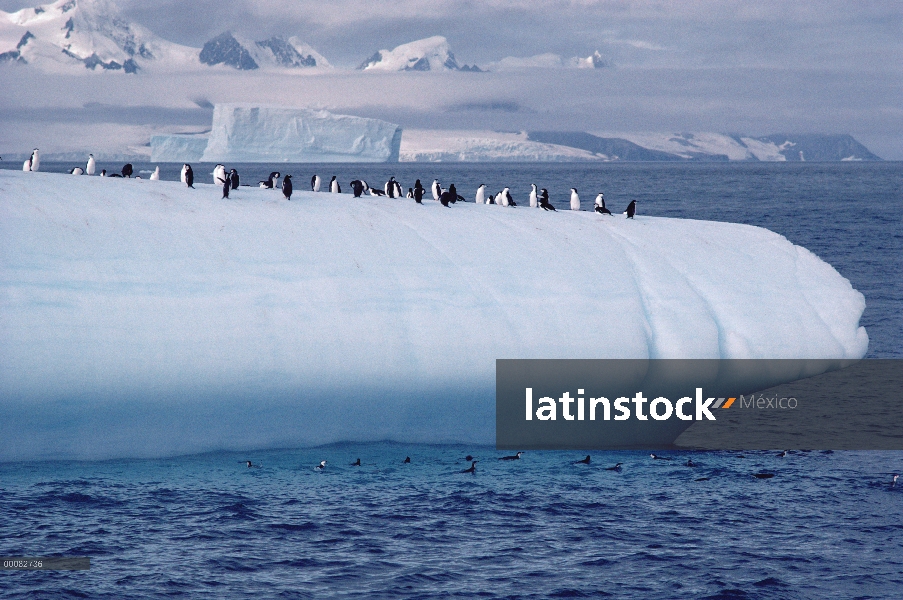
(631, 209)
(418, 192)
(407, 460)
(250, 464)
(35, 160)
(544, 200)
(515, 457)
(334, 186)
(690, 463)
(357, 187)
(468, 458)
(473, 467)
(585, 461)
(287, 187)
(617, 468)
(575, 199)
(657, 457)
(77, 171)
(480, 198)
(600, 205)
(127, 170)
(782, 454)
(155, 176)
(437, 189)
(894, 482)
(315, 183)
(534, 197)
(233, 178)
(321, 466)
(356, 463)
(91, 166)
(763, 475)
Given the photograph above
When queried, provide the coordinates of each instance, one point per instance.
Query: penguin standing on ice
(127, 170)
(271, 182)
(575, 199)
(315, 183)
(410, 193)
(227, 185)
(357, 188)
(534, 198)
(35, 160)
(509, 201)
(544, 200)
(480, 198)
(600, 205)
(26, 166)
(155, 176)
(437, 189)
(418, 192)
(390, 188)
(219, 174)
(631, 209)
(91, 166)
(450, 196)
(77, 171)
(334, 186)
(103, 173)
(287, 187)
(233, 179)
(187, 175)
(397, 188)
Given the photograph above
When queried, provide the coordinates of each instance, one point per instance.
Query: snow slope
(143, 318)
(426, 145)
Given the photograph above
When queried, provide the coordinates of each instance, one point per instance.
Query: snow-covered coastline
(156, 311)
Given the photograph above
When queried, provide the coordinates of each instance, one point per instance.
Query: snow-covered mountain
(90, 34)
(710, 146)
(244, 55)
(429, 54)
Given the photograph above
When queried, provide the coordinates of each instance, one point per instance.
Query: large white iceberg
(144, 318)
(252, 133)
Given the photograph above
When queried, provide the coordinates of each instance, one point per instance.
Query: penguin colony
(228, 181)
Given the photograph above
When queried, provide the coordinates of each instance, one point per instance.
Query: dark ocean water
(828, 525)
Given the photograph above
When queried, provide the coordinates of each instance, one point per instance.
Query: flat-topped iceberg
(251, 133)
(145, 318)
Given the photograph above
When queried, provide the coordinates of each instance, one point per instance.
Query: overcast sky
(815, 66)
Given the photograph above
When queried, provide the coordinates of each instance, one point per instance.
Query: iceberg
(252, 133)
(178, 147)
(143, 318)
